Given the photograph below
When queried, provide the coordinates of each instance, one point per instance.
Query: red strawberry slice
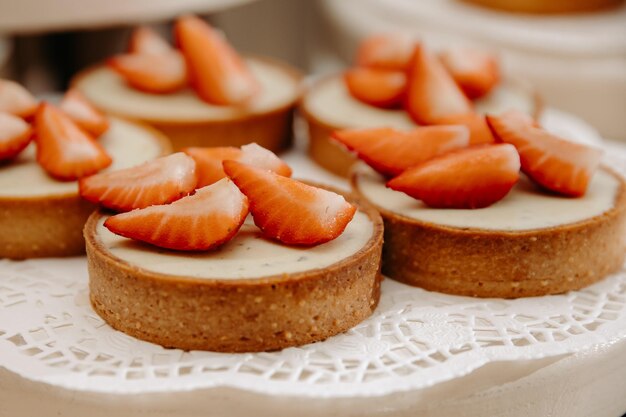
(160, 181)
(288, 210)
(470, 178)
(76, 106)
(555, 163)
(144, 40)
(260, 157)
(219, 75)
(199, 222)
(209, 161)
(386, 51)
(476, 123)
(64, 150)
(15, 135)
(432, 93)
(163, 73)
(380, 88)
(476, 72)
(390, 151)
(16, 100)
(514, 120)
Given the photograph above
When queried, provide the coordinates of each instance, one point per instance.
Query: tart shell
(43, 226)
(504, 264)
(334, 157)
(49, 226)
(243, 315)
(271, 129)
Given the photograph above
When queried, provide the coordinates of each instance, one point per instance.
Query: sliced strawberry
(432, 94)
(16, 100)
(476, 72)
(144, 40)
(476, 123)
(202, 221)
(386, 51)
(219, 75)
(209, 161)
(162, 73)
(15, 135)
(64, 150)
(75, 105)
(380, 88)
(288, 210)
(514, 120)
(390, 151)
(260, 157)
(160, 181)
(470, 178)
(555, 163)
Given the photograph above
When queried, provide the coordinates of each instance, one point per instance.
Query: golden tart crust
(271, 128)
(242, 315)
(335, 158)
(49, 226)
(504, 264)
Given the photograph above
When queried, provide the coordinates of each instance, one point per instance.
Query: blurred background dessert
(577, 60)
(547, 7)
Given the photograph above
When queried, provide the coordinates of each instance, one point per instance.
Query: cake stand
(421, 353)
(34, 16)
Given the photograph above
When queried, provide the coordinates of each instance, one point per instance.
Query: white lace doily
(49, 333)
(416, 338)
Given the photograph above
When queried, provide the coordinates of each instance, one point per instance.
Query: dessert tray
(415, 338)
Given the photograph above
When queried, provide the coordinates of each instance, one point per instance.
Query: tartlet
(529, 244)
(327, 106)
(235, 298)
(41, 216)
(188, 121)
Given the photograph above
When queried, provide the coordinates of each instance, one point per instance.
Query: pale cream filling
(330, 102)
(109, 92)
(247, 255)
(524, 208)
(127, 143)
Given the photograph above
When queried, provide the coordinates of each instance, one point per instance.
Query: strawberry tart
(399, 83)
(199, 94)
(193, 270)
(463, 220)
(42, 156)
